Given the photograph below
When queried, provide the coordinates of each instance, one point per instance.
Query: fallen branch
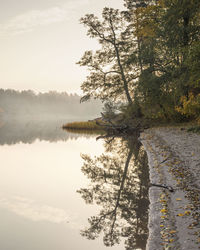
(162, 186)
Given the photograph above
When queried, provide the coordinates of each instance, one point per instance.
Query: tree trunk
(129, 99)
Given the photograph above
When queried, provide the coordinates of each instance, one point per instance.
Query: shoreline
(174, 160)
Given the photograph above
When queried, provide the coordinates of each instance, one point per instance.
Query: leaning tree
(111, 77)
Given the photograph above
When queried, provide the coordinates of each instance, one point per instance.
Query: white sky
(41, 40)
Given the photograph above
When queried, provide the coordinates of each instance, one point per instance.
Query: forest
(149, 59)
(26, 104)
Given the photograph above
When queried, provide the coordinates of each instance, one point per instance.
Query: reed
(88, 125)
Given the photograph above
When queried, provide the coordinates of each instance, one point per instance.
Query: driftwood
(117, 129)
(109, 138)
(162, 186)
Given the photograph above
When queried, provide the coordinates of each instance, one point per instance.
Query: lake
(65, 191)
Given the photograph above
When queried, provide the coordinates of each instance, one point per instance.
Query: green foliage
(131, 111)
(149, 57)
(109, 110)
(168, 32)
(193, 62)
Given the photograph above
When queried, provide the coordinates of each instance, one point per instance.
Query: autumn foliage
(149, 54)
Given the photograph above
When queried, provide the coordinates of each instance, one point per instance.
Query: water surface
(48, 191)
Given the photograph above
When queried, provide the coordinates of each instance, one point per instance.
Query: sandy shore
(174, 217)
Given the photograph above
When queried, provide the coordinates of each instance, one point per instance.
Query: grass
(89, 125)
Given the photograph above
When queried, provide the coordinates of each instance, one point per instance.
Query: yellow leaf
(163, 210)
(187, 212)
(162, 196)
(161, 225)
(178, 199)
(180, 214)
(172, 232)
(171, 240)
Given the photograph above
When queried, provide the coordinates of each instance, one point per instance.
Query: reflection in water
(31, 210)
(39, 206)
(15, 131)
(119, 185)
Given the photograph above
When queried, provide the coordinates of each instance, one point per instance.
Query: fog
(26, 116)
(45, 106)
(16, 131)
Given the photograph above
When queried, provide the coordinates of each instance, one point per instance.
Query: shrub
(190, 106)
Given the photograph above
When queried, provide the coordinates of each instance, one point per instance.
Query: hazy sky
(41, 40)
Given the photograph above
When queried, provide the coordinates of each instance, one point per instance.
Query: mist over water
(13, 131)
(26, 116)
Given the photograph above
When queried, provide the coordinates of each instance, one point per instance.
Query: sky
(41, 41)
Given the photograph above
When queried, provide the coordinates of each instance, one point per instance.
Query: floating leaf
(171, 240)
(178, 199)
(161, 225)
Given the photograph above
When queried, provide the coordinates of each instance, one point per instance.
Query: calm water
(65, 191)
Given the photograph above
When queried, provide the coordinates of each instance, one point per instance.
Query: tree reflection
(119, 185)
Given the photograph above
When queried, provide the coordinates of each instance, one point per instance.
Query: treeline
(149, 58)
(45, 105)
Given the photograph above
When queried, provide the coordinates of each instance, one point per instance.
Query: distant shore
(174, 161)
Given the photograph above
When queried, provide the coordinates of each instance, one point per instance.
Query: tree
(145, 16)
(149, 56)
(110, 76)
(167, 35)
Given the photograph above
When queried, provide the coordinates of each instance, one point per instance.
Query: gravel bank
(174, 161)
